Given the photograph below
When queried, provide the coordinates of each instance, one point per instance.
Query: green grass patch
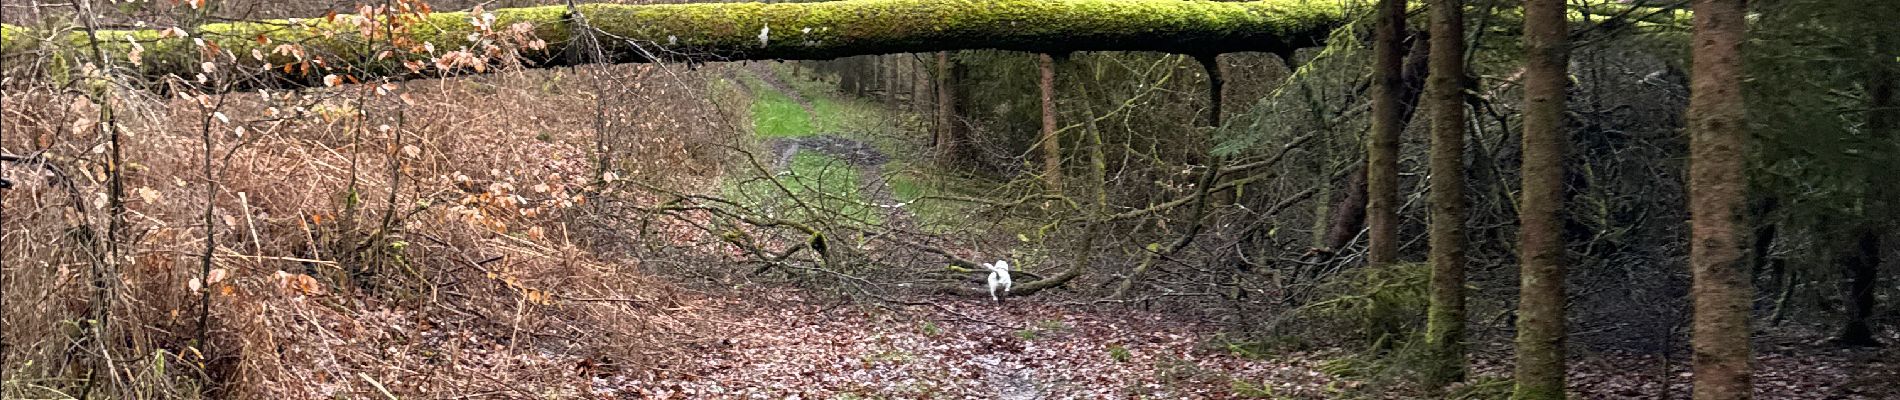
(1250, 390)
(775, 114)
(1047, 326)
(892, 356)
(826, 184)
(832, 183)
(1119, 353)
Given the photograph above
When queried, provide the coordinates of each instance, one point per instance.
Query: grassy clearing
(830, 183)
(827, 184)
(776, 114)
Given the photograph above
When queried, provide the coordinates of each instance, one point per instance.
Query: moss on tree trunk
(1445, 329)
(731, 31)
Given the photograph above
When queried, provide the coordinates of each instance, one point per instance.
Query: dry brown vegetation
(363, 242)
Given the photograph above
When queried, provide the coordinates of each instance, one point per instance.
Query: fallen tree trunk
(698, 32)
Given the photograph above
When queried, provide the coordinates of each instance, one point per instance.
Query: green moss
(1532, 392)
(14, 39)
(817, 30)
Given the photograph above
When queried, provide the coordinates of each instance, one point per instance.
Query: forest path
(866, 160)
(788, 344)
(970, 349)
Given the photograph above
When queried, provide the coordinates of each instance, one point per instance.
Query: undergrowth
(362, 246)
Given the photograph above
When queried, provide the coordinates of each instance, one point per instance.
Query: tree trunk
(848, 75)
(887, 66)
(1716, 132)
(1540, 327)
(1883, 119)
(1051, 145)
(1445, 329)
(1097, 207)
(1862, 260)
(947, 121)
(1349, 214)
(1761, 212)
(1382, 144)
(1216, 88)
(744, 31)
(922, 87)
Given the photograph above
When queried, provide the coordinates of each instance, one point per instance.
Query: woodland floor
(967, 349)
(783, 344)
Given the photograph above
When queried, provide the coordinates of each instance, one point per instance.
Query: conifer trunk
(1721, 290)
(1540, 327)
(1445, 328)
(947, 123)
(1382, 144)
(1349, 214)
(1051, 145)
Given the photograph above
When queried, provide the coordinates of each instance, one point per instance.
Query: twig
(601, 299)
(257, 245)
(378, 385)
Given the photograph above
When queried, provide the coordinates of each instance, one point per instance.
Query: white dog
(999, 278)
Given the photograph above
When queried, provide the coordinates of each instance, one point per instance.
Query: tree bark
(948, 126)
(922, 86)
(1051, 145)
(1216, 88)
(1097, 211)
(1540, 327)
(742, 31)
(1382, 144)
(1716, 188)
(1445, 327)
(1349, 215)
